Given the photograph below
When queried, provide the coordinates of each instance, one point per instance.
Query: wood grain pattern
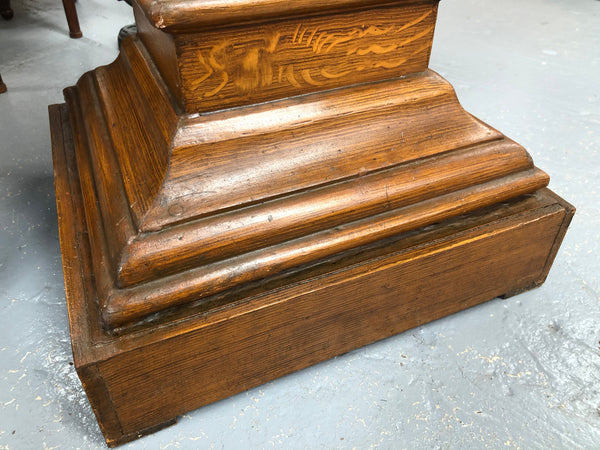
(306, 322)
(254, 186)
(128, 305)
(177, 16)
(192, 206)
(219, 217)
(164, 53)
(242, 230)
(287, 58)
(236, 158)
(329, 318)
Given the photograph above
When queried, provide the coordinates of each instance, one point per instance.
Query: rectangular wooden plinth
(143, 379)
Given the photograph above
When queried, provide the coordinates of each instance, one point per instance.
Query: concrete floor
(523, 372)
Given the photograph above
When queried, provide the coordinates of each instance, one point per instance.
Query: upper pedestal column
(222, 54)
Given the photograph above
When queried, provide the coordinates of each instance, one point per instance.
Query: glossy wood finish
(250, 63)
(193, 204)
(179, 16)
(229, 210)
(142, 380)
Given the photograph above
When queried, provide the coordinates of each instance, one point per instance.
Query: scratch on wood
(375, 48)
(218, 88)
(312, 36)
(301, 37)
(328, 74)
(291, 78)
(255, 68)
(307, 77)
(296, 33)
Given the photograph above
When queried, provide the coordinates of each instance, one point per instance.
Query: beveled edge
(90, 342)
(176, 16)
(122, 307)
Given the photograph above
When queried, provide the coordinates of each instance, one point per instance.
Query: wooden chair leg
(2, 85)
(5, 10)
(72, 20)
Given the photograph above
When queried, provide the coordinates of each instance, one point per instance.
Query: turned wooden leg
(2, 85)
(7, 13)
(72, 20)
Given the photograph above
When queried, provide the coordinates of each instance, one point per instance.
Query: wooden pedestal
(254, 187)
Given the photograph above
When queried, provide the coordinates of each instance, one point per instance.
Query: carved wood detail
(248, 170)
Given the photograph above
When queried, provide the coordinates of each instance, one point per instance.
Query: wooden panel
(102, 187)
(162, 48)
(265, 184)
(122, 140)
(340, 168)
(124, 306)
(183, 15)
(152, 94)
(80, 143)
(178, 248)
(235, 158)
(233, 67)
(146, 378)
(134, 130)
(77, 262)
(91, 344)
(306, 324)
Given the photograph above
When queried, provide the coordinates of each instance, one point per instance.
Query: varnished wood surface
(275, 221)
(330, 317)
(81, 289)
(72, 19)
(183, 15)
(234, 67)
(243, 63)
(203, 204)
(146, 378)
(164, 53)
(127, 305)
(237, 158)
(239, 199)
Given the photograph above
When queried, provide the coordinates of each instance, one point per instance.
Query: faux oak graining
(256, 186)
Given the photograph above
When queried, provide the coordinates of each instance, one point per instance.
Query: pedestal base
(147, 376)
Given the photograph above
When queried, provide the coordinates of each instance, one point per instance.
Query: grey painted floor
(522, 373)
